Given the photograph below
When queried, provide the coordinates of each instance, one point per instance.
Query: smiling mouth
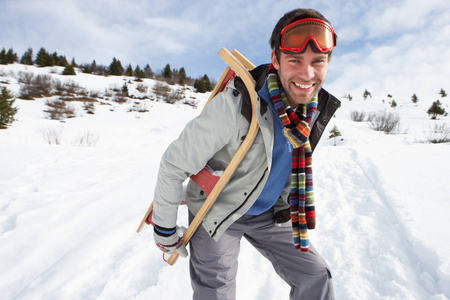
(303, 86)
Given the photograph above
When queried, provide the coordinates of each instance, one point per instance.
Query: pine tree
(7, 111)
(414, 99)
(200, 85)
(27, 57)
(139, 73)
(394, 104)
(73, 63)
(436, 109)
(148, 71)
(367, 94)
(11, 56)
(69, 70)
(43, 59)
(167, 72)
(182, 76)
(3, 60)
(115, 68)
(208, 84)
(125, 90)
(62, 62)
(442, 93)
(334, 133)
(94, 67)
(129, 71)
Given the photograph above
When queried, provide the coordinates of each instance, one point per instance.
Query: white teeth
(303, 86)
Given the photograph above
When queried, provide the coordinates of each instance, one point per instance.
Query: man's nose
(306, 72)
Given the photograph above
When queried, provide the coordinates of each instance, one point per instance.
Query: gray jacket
(212, 139)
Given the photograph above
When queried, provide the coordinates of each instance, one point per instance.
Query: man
(274, 180)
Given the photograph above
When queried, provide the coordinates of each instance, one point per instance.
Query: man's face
(301, 75)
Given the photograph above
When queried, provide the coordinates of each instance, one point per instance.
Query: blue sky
(397, 47)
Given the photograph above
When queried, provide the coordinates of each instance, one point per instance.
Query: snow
(69, 213)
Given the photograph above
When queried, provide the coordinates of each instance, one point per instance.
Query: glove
(170, 240)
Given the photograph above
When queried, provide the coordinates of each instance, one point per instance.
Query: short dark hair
(288, 18)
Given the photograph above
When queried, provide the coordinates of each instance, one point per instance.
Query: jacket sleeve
(189, 153)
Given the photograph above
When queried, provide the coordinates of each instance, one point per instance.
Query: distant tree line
(43, 58)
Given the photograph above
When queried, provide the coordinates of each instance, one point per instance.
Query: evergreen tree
(167, 72)
(55, 58)
(148, 72)
(115, 68)
(367, 94)
(182, 76)
(394, 104)
(129, 71)
(11, 56)
(334, 133)
(125, 90)
(442, 93)
(200, 85)
(40, 58)
(3, 60)
(94, 67)
(27, 57)
(139, 73)
(436, 109)
(208, 84)
(7, 111)
(86, 69)
(69, 70)
(414, 99)
(62, 61)
(73, 63)
(43, 59)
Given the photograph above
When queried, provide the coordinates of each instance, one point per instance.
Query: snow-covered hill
(69, 212)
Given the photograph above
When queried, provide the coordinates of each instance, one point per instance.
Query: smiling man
(269, 199)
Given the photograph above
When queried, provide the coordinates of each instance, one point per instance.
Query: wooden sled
(237, 65)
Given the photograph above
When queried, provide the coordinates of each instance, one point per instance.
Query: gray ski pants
(213, 265)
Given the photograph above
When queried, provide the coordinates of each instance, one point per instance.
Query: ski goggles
(297, 35)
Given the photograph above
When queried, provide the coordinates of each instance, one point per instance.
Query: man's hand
(170, 240)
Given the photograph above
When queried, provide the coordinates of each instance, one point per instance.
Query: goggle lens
(295, 36)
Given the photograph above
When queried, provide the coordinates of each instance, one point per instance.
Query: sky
(397, 47)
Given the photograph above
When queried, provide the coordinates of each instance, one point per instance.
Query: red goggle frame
(296, 35)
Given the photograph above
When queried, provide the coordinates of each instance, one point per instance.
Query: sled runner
(212, 185)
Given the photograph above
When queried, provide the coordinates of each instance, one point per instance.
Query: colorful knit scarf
(297, 129)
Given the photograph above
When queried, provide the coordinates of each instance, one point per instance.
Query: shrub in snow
(7, 111)
(87, 139)
(174, 96)
(142, 88)
(38, 86)
(358, 116)
(161, 90)
(389, 123)
(59, 110)
(438, 134)
(140, 107)
(89, 107)
(52, 135)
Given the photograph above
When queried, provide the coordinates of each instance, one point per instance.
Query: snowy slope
(68, 213)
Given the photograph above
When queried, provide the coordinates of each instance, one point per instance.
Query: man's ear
(275, 62)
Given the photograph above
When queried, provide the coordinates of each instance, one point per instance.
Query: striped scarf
(297, 129)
